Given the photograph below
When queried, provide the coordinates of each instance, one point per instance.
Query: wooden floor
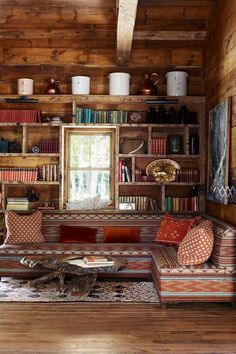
(103, 328)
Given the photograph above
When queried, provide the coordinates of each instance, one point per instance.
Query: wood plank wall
(220, 80)
(46, 39)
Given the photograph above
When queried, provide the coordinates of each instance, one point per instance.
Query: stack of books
(23, 174)
(17, 204)
(124, 174)
(98, 260)
(141, 202)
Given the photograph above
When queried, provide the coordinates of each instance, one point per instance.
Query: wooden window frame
(82, 130)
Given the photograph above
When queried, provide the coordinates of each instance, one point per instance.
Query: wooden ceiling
(102, 32)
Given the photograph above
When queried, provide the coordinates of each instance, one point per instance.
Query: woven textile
(23, 229)
(173, 230)
(197, 245)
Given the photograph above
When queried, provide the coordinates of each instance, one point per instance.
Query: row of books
(49, 146)
(49, 173)
(140, 202)
(89, 115)
(20, 116)
(12, 174)
(124, 174)
(17, 204)
(182, 203)
(188, 175)
(159, 146)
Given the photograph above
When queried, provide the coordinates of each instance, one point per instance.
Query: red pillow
(121, 234)
(172, 230)
(77, 234)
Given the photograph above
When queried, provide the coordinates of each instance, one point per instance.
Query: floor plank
(117, 329)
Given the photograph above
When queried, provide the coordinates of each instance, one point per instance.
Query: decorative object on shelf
(126, 206)
(193, 143)
(21, 99)
(176, 83)
(56, 120)
(219, 139)
(53, 87)
(163, 170)
(147, 86)
(119, 84)
(25, 86)
(35, 149)
(137, 117)
(14, 147)
(132, 146)
(162, 100)
(80, 85)
(175, 144)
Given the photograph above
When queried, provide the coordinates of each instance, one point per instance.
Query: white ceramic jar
(119, 84)
(80, 85)
(25, 86)
(176, 83)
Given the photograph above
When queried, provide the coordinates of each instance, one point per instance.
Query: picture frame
(218, 151)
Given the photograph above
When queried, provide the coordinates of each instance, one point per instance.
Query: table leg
(44, 278)
(81, 285)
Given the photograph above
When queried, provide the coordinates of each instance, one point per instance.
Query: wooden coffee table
(81, 279)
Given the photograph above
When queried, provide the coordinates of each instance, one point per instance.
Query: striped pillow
(24, 228)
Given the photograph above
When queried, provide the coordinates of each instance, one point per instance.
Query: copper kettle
(53, 87)
(147, 86)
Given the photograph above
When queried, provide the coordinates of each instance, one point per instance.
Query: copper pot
(147, 86)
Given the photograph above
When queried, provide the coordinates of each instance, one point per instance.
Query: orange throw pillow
(121, 234)
(197, 245)
(24, 228)
(172, 230)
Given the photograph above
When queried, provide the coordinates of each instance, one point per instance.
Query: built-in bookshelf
(35, 145)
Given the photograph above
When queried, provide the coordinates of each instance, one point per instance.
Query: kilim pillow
(121, 234)
(197, 245)
(24, 228)
(172, 230)
(77, 234)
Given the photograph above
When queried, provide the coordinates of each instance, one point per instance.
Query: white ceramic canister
(119, 84)
(80, 85)
(25, 86)
(176, 83)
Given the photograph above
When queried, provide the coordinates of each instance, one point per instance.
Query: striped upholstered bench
(214, 280)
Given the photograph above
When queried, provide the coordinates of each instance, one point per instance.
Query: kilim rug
(17, 290)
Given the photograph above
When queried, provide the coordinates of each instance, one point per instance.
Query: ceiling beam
(170, 35)
(125, 27)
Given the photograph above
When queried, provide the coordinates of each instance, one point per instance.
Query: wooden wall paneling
(220, 78)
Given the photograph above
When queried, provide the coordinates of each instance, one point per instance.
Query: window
(89, 164)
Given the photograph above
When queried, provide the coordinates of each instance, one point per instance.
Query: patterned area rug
(16, 290)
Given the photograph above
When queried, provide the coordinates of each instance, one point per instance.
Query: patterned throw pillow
(24, 228)
(172, 230)
(197, 245)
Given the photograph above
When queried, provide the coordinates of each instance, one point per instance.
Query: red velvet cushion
(77, 234)
(121, 234)
(172, 230)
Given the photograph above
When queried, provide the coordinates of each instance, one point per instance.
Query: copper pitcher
(53, 87)
(148, 87)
